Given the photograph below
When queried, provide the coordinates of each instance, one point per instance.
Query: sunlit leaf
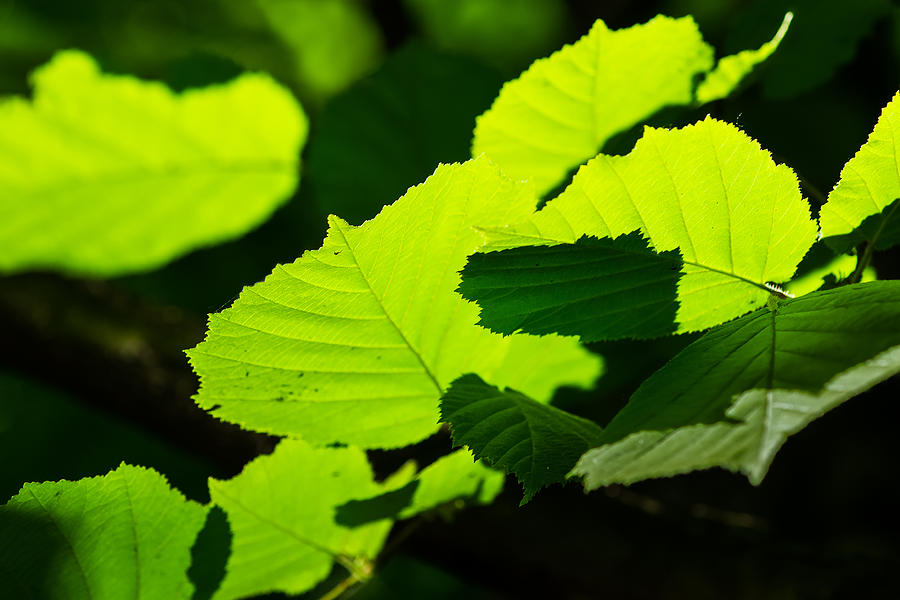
(281, 509)
(863, 207)
(126, 534)
(733, 397)
(106, 174)
(707, 190)
(563, 109)
(356, 341)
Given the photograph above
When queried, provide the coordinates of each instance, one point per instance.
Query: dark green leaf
(595, 288)
(535, 442)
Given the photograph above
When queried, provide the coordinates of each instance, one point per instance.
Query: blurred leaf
(334, 42)
(390, 130)
(733, 397)
(106, 174)
(506, 33)
(824, 36)
(537, 443)
(282, 514)
(354, 342)
(125, 534)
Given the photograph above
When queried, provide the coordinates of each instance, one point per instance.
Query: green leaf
(563, 109)
(126, 534)
(733, 397)
(355, 342)
(106, 174)
(731, 70)
(596, 289)
(456, 478)
(862, 206)
(281, 508)
(537, 443)
(707, 190)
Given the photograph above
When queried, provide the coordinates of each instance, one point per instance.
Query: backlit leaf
(707, 190)
(862, 207)
(106, 174)
(562, 110)
(126, 534)
(356, 341)
(281, 509)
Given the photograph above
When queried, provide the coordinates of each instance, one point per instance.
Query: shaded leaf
(106, 174)
(535, 442)
(733, 397)
(355, 342)
(563, 109)
(707, 190)
(456, 478)
(126, 534)
(595, 288)
(281, 509)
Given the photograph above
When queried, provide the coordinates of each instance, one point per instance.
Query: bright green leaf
(862, 205)
(731, 70)
(537, 443)
(709, 191)
(563, 109)
(106, 174)
(456, 478)
(281, 508)
(356, 341)
(126, 534)
(596, 289)
(733, 397)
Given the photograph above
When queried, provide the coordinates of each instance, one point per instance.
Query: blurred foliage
(506, 33)
(391, 130)
(37, 421)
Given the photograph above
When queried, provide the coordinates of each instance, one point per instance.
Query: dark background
(92, 372)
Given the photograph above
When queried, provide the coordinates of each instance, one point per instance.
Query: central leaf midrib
(339, 228)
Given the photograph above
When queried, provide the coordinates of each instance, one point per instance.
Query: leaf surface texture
(707, 190)
(355, 342)
(536, 442)
(562, 110)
